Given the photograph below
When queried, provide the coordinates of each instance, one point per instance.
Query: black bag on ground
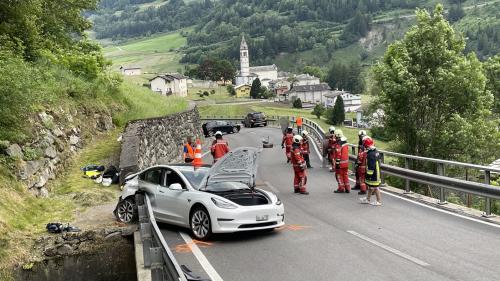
(55, 227)
(113, 173)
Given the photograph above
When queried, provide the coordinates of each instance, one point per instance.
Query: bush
(205, 93)
(297, 103)
(231, 90)
(318, 110)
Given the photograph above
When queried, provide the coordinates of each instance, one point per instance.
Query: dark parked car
(211, 127)
(255, 119)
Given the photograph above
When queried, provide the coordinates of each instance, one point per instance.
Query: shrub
(297, 103)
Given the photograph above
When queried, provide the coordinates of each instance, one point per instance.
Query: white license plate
(262, 218)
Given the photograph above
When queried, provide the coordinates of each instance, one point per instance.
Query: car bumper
(247, 218)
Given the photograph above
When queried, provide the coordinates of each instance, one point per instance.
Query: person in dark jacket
(372, 179)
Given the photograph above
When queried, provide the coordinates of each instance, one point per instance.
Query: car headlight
(223, 204)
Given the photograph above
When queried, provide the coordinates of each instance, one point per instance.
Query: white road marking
(389, 249)
(273, 189)
(204, 154)
(436, 209)
(209, 269)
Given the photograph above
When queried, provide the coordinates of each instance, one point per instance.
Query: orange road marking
(293, 227)
(186, 248)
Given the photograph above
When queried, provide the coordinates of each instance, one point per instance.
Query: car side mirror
(176, 186)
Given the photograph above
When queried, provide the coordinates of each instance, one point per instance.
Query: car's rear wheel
(200, 223)
(236, 129)
(126, 211)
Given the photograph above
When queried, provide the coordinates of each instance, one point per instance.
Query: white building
(248, 74)
(306, 79)
(351, 102)
(130, 70)
(170, 84)
(310, 93)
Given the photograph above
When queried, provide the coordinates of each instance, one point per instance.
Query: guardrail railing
(157, 255)
(439, 179)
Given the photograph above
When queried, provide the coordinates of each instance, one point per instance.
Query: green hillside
(154, 54)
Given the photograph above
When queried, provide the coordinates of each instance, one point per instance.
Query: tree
(456, 13)
(318, 110)
(255, 90)
(434, 97)
(297, 103)
(338, 114)
(492, 72)
(231, 90)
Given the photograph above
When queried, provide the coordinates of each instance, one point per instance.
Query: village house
(306, 79)
(243, 91)
(170, 84)
(279, 86)
(130, 70)
(309, 93)
(351, 102)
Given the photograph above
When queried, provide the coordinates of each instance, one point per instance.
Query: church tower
(244, 58)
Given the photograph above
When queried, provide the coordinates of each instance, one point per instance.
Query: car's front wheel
(200, 223)
(211, 133)
(126, 211)
(236, 129)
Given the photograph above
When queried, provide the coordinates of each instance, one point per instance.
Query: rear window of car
(258, 115)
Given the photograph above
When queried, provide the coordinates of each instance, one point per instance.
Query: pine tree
(297, 103)
(255, 90)
(338, 115)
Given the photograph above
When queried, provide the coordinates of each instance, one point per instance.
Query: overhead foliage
(434, 97)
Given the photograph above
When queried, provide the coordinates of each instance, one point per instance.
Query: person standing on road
(287, 143)
(332, 148)
(360, 166)
(188, 150)
(305, 148)
(342, 163)
(299, 121)
(372, 172)
(219, 146)
(299, 167)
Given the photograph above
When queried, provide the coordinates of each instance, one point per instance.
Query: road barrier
(439, 179)
(157, 255)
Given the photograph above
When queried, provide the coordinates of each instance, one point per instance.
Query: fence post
(146, 237)
(407, 181)
(442, 195)
(487, 202)
(382, 175)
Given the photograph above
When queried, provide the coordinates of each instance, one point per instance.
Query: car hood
(239, 165)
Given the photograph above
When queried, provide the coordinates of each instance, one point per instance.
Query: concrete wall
(149, 142)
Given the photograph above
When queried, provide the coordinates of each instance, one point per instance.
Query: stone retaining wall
(149, 142)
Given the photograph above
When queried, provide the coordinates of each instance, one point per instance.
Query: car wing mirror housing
(176, 186)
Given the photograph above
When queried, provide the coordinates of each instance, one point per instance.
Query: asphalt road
(332, 237)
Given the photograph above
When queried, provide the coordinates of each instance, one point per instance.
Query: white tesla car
(218, 199)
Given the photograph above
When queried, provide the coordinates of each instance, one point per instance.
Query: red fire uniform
(342, 166)
(332, 147)
(304, 146)
(219, 148)
(299, 168)
(287, 142)
(361, 168)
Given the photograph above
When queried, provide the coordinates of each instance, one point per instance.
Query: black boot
(362, 192)
(338, 191)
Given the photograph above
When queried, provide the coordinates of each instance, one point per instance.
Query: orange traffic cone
(197, 162)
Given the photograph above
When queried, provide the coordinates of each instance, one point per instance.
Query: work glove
(282, 146)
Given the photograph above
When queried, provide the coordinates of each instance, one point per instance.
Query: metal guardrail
(157, 255)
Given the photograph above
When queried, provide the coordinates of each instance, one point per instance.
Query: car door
(149, 182)
(174, 203)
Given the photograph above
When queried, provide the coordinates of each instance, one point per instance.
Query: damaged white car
(218, 199)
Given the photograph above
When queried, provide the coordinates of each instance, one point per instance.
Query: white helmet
(218, 133)
(305, 133)
(362, 133)
(339, 134)
(331, 129)
(297, 139)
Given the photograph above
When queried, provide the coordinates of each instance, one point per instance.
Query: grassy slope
(154, 54)
(23, 217)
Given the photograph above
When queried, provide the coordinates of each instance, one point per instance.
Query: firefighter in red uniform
(305, 148)
(219, 147)
(342, 163)
(287, 143)
(299, 167)
(360, 167)
(331, 148)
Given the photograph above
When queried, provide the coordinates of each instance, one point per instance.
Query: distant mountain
(293, 33)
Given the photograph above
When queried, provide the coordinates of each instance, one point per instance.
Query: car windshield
(258, 115)
(194, 176)
(226, 186)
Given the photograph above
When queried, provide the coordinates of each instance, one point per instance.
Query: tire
(200, 224)
(265, 124)
(235, 130)
(126, 211)
(211, 133)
